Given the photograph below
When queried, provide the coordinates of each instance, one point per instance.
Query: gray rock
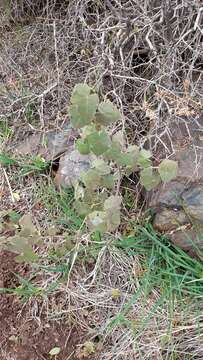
(189, 240)
(59, 142)
(178, 205)
(70, 167)
(193, 202)
(169, 219)
(49, 145)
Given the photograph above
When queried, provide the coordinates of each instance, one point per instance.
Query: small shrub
(96, 194)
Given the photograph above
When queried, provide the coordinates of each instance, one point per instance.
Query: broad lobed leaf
(168, 170)
(107, 113)
(99, 142)
(82, 146)
(83, 111)
(83, 106)
(149, 178)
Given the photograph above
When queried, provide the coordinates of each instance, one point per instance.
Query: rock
(193, 202)
(189, 240)
(49, 145)
(58, 143)
(178, 205)
(71, 165)
(169, 219)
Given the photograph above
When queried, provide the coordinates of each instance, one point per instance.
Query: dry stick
(41, 112)
(196, 25)
(9, 185)
(56, 52)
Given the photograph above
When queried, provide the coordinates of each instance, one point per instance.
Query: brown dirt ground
(23, 339)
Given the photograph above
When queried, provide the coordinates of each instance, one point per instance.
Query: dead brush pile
(146, 56)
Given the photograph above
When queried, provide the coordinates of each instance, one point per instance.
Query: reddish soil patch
(23, 338)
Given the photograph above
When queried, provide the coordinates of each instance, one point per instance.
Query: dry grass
(136, 323)
(147, 57)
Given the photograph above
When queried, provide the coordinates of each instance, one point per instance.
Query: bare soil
(23, 338)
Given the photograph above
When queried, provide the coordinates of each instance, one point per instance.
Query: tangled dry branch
(141, 54)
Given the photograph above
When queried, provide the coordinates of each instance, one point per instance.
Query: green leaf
(92, 201)
(95, 199)
(91, 179)
(113, 220)
(121, 159)
(114, 153)
(80, 90)
(144, 158)
(109, 219)
(99, 142)
(55, 351)
(84, 106)
(107, 113)
(149, 178)
(82, 146)
(97, 221)
(168, 170)
(113, 203)
(129, 158)
(22, 242)
(101, 166)
(118, 139)
(108, 181)
(112, 208)
(87, 130)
